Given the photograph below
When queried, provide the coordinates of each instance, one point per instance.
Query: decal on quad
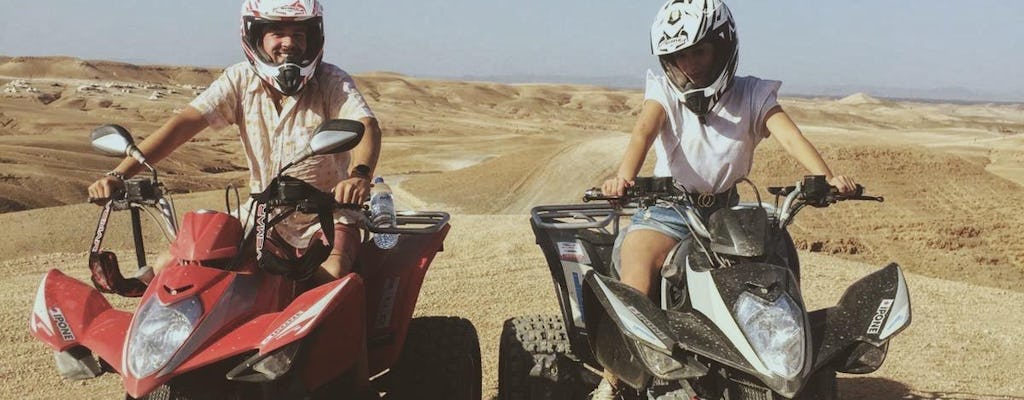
(573, 252)
(40, 317)
(302, 319)
(62, 324)
(387, 304)
(574, 274)
(880, 313)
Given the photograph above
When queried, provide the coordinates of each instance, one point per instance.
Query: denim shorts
(662, 218)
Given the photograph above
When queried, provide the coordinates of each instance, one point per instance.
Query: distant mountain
(789, 88)
(948, 93)
(614, 81)
(70, 67)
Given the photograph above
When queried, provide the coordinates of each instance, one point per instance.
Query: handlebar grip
(858, 194)
(595, 194)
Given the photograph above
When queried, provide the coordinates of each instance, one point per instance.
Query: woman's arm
(793, 141)
(648, 124)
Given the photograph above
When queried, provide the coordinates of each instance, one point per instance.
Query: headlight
(661, 364)
(775, 331)
(279, 362)
(158, 332)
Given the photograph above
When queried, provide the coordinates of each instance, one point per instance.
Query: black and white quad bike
(727, 323)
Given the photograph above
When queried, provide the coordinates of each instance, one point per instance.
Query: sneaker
(604, 391)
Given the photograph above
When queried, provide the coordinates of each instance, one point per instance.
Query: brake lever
(879, 199)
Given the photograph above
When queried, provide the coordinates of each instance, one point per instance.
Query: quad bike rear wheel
(440, 360)
(532, 361)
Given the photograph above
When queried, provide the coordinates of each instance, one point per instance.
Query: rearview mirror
(111, 140)
(332, 136)
(336, 136)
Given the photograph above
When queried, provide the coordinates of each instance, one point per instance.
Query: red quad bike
(222, 321)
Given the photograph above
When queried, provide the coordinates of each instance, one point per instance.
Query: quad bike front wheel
(440, 360)
(532, 361)
(821, 386)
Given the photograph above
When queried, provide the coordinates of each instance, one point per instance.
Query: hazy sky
(914, 44)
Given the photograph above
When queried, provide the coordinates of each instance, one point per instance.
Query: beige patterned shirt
(271, 139)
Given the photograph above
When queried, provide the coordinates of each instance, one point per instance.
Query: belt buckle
(705, 200)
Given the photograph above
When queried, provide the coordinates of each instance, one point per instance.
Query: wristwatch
(361, 170)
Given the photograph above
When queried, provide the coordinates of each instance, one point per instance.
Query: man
(277, 99)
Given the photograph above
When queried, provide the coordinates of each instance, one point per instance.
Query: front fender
(619, 318)
(69, 313)
(871, 311)
(311, 309)
(336, 312)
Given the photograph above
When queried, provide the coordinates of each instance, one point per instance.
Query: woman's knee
(646, 246)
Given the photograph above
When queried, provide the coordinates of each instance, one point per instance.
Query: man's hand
(354, 190)
(101, 190)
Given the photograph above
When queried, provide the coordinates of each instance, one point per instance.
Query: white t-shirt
(711, 158)
(271, 139)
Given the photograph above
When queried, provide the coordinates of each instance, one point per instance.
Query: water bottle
(382, 213)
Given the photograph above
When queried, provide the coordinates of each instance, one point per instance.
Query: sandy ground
(952, 176)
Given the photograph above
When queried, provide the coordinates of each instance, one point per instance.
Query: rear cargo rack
(579, 216)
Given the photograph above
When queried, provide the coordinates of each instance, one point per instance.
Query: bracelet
(120, 176)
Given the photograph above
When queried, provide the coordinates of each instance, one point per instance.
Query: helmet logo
(296, 8)
(674, 17)
(671, 43)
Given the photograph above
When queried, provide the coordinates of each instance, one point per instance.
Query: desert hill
(98, 70)
(951, 174)
(858, 99)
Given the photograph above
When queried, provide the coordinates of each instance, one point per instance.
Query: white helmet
(681, 24)
(288, 77)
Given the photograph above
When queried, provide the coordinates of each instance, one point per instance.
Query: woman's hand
(101, 190)
(616, 186)
(842, 183)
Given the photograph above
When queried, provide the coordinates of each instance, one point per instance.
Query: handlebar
(814, 190)
(643, 188)
(813, 194)
(295, 194)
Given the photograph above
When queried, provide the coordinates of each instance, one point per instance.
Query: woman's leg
(642, 255)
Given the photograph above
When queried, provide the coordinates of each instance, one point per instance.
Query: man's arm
(356, 188)
(175, 132)
(368, 150)
(179, 129)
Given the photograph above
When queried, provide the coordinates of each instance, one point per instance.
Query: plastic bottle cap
(378, 179)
